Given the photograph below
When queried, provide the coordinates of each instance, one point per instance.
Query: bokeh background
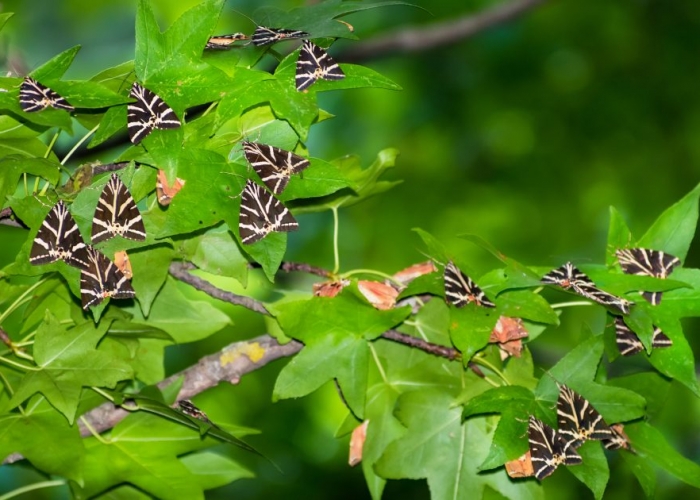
(524, 134)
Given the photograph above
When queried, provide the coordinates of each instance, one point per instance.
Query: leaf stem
(79, 143)
(336, 255)
(487, 364)
(32, 487)
(376, 273)
(573, 303)
(102, 393)
(379, 365)
(18, 301)
(19, 365)
(93, 431)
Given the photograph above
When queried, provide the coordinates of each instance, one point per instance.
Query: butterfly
(618, 440)
(569, 277)
(102, 280)
(33, 96)
(315, 63)
(116, 214)
(58, 238)
(548, 449)
(460, 290)
(647, 262)
(164, 192)
(274, 165)
(577, 419)
(266, 36)
(188, 408)
(261, 213)
(628, 342)
(223, 42)
(147, 113)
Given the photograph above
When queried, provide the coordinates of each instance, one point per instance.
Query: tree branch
(437, 34)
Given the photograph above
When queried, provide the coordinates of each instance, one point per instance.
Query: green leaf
(49, 117)
(619, 236)
(150, 267)
(651, 445)
(437, 446)
(335, 333)
(67, 360)
(212, 470)
(471, 327)
(673, 231)
(215, 251)
(17, 139)
(4, 17)
(594, 471)
(14, 166)
(44, 438)
(184, 319)
(56, 66)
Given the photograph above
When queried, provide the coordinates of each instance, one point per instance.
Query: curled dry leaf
(357, 443)
(380, 295)
(121, 260)
(164, 192)
(405, 276)
(329, 288)
(507, 333)
(520, 467)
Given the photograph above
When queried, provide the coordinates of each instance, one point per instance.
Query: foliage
(430, 417)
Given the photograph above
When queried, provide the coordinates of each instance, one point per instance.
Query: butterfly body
(101, 280)
(33, 97)
(577, 419)
(266, 36)
(224, 42)
(313, 64)
(460, 290)
(548, 449)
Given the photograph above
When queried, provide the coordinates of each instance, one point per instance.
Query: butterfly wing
(266, 36)
(102, 280)
(117, 214)
(461, 290)
(58, 238)
(548, 449)
(33, 96)
(314, 63)
(148, 112)
(274, 165)
(261, 213)
(578, 420)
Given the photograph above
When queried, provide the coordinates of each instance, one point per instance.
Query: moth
(628, 342)
(274, 165)
(58, 238)
(619, 439)
(548, 449)
(569, 277)
(102, 280)
(314, 63)
(164, 192)
(147, 113)
(261, 213)
(266, 36)
(224, 42)
(33, 96)
(647, 262)
(116, 214)
(577, 419)
(460, 290)
(188, 408)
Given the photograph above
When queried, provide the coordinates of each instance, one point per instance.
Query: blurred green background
(524, 134)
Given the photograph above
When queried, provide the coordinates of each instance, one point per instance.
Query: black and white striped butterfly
(315, 63)
(33, 96)
(266, 36)
(460, 290)
(116, 214)
(577, 419)
(102, 279)
(274, 165)
(261, 213)
(58, 238)
(188, 408)
(147, 113)
(548, 449)
(628, 342)
(647, 262)
(569, 277)
(224, 42)
(619, 439)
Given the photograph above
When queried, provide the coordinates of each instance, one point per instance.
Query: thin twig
(305, 268)
(429, 347)
(437, 34)
(179, 270)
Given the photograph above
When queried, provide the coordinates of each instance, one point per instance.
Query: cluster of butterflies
(59, 238)
(578, 421)
(260, 212)
(460, 290)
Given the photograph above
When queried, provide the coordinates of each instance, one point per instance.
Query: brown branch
(438, 34)
(288, 267)
(179, 270)
(423, 345)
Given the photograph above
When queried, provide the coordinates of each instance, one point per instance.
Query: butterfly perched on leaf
(149, 112)
(58, 238)
(224, 42)
(548, 449)
(166, 192)
(116, 214)
(274, 165)
(101, 280)
(628, 342)
(261, 213)
(647, 262)
(577, 419)
(569, 277)
(314, 63)
(33, 97)
(460, 290)
(266, 36)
